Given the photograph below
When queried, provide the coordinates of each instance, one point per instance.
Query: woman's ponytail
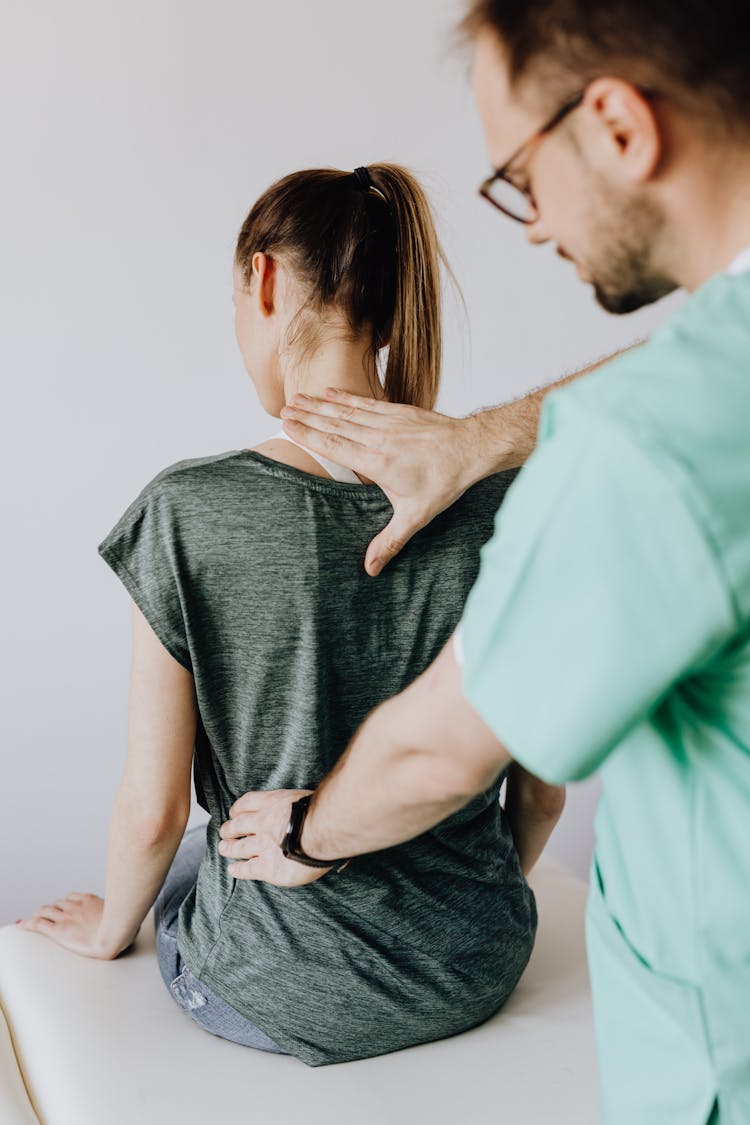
(412, 373)
(362, 243)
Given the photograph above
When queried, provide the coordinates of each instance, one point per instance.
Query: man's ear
(264, 273)
(628, 136)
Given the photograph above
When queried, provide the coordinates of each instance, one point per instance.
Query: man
(609, 627)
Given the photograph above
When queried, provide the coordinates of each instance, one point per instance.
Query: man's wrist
(486, 445)
(307, 840)
(291, 844)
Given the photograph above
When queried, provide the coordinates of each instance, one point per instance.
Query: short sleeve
(143, 549)
(597, 592)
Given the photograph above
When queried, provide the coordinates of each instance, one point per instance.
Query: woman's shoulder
(485, 496)
(191, 468)
(185, 482)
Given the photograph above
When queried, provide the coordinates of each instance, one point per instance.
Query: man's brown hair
(696, 52)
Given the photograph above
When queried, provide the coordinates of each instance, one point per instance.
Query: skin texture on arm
(421, 459)
(151, 807)
(417, 758)
(533, 808)
(506, 435)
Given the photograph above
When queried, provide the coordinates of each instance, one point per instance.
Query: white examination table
(84, 1042)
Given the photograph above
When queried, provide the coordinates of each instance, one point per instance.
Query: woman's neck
(347, 365)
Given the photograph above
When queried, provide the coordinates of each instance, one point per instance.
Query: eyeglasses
(511, 198)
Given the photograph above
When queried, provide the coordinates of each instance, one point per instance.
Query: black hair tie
(362, 176)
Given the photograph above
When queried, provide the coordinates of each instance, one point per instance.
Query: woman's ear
(264, 272)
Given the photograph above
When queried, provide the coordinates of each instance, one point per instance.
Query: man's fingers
(344, 404)
(245, 847)
(354, 447)
(247, 803)
(333, 417)
(244, 870)
(392, 539)
(335, 394)
(257, 801)
(242, 825)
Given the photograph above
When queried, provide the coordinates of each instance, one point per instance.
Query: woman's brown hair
(368, 249)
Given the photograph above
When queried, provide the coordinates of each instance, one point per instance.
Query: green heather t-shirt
(251, 574)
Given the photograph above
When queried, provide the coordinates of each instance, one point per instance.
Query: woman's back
(252, 574)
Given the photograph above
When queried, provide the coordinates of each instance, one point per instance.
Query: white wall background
(134, 139)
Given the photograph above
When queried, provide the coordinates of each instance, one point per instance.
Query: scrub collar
(741, 263)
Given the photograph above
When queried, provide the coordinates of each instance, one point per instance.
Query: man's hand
(422, 460)
(253, 835)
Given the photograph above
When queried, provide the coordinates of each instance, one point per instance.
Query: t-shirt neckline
(318, 484)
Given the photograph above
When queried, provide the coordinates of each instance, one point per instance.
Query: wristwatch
(291, 846)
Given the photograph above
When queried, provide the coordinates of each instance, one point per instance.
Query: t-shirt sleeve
(144, 551)
(597, 592)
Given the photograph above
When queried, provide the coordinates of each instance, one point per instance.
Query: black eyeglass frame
(502, 172)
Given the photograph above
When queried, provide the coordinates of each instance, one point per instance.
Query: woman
(260, 644)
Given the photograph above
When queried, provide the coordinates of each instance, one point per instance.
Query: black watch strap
(291, 846)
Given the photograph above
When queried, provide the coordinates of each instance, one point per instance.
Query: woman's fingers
(72, 922)
(37, 925)
(59, 910)
(50, 910)
(67, 903)
(43, 917)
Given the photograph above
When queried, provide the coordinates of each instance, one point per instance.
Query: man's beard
(623, 238)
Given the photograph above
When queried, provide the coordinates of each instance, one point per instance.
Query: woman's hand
(73, 922)
(253, 835)
(533, 808)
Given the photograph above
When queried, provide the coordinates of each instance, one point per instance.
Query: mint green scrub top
(609, 629)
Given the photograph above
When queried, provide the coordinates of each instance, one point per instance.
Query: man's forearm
(409, 766)
(380, 793)
(504, 437)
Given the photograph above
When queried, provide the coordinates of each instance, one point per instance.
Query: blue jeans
(205, 1007)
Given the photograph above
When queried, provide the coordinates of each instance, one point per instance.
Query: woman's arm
(150, 810)
(533, 808)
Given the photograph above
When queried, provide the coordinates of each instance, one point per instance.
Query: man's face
(607, 226)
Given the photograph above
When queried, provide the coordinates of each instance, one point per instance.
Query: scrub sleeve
(596, 594)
